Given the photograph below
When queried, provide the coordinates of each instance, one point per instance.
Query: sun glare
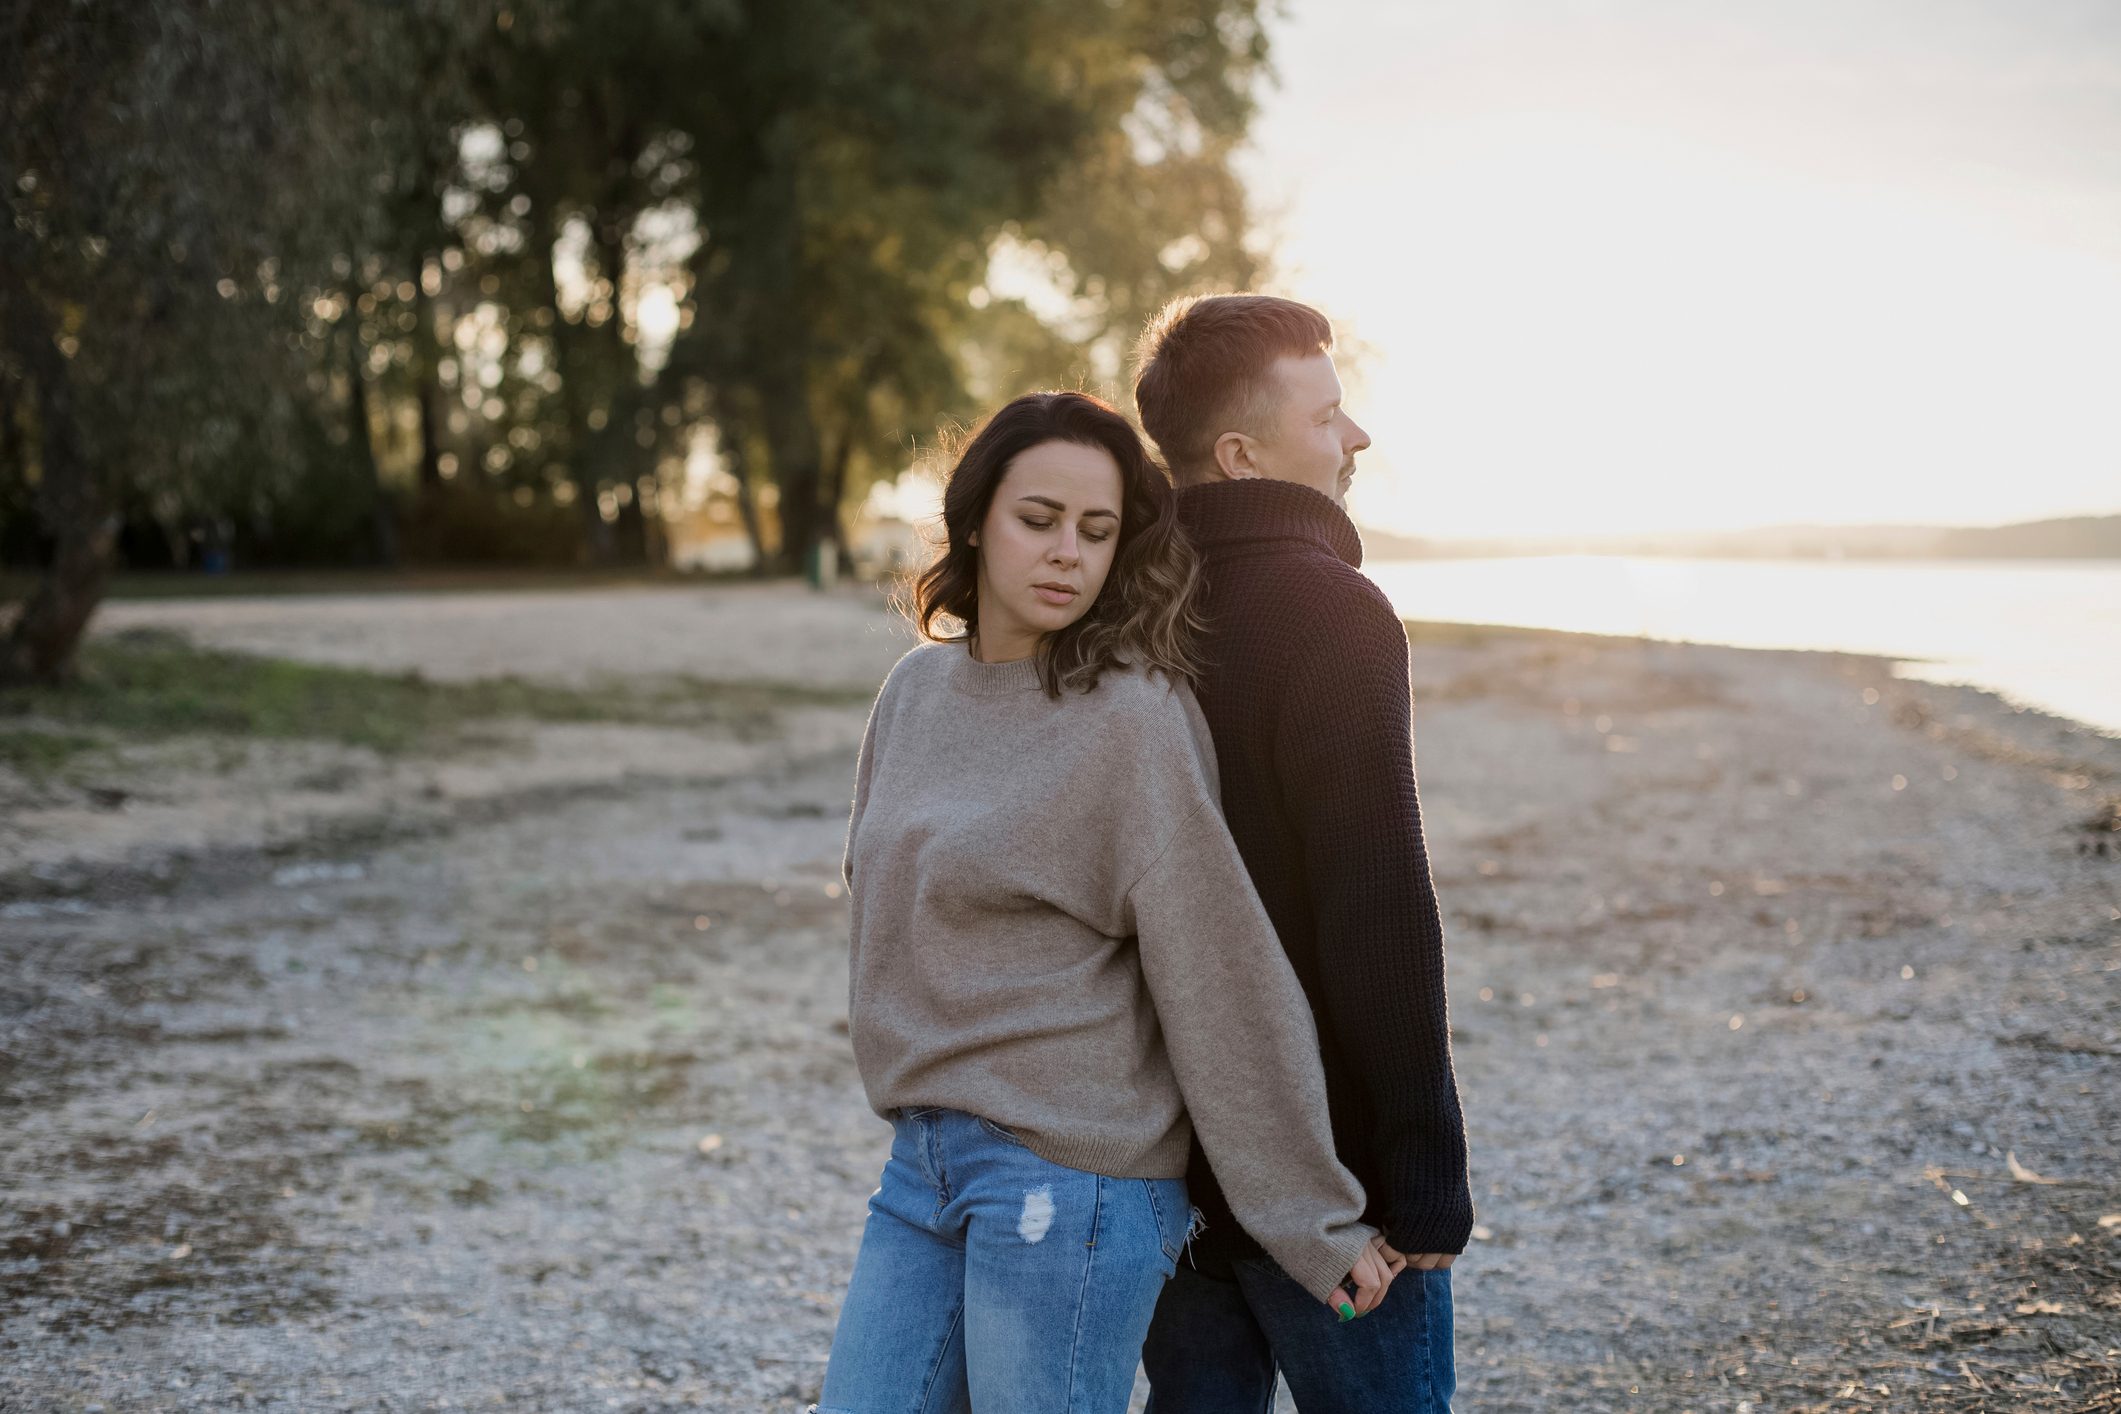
(1576, 324)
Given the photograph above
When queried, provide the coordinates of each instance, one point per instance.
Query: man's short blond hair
(1202, 369)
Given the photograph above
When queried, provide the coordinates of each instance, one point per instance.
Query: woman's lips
(1054, 594)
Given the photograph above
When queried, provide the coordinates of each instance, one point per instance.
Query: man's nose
(1362, 438)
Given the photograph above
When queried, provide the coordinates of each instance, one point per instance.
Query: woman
(1059, 968)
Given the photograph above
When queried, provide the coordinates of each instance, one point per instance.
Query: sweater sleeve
(864, 768)
(1344, 750)
(1243, 1047)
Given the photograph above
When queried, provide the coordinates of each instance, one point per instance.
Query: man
(1306, 693)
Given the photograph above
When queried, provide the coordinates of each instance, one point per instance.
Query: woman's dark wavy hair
(1145, 616)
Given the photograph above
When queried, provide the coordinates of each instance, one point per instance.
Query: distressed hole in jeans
(1032, 1224)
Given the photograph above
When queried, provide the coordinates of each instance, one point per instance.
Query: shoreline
(2019, 682)
(1420, 630)
(2030, 632)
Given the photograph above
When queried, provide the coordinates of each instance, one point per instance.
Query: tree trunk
(78, 514)
(616, 450)
(17, 505)
(797, 461)
(427, 370)
(630, 531)
(836, 494)
(775, 321)
(736, 455)
(599, 542)
(168, 514)
(837, 521)
(383, 536)
(655, 535)
(14, 464)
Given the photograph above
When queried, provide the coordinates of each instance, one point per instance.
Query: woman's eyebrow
(1057, 506)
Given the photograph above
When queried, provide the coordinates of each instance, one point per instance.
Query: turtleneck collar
(1229, 513)
(969, 674)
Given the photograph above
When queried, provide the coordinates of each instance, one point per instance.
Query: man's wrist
(1432, 1236)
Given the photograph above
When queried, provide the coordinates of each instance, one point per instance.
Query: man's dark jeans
(1215, 1345)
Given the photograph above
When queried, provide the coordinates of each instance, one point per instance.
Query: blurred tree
(521, 257)
(858, 171)
(179, 175)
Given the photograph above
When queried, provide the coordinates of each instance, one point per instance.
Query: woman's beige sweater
(1052, 929)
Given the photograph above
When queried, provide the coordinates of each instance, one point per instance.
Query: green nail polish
(1347, 1312)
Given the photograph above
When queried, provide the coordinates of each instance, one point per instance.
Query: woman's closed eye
(1095, 536)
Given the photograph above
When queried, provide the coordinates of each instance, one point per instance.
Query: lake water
(2045, 633)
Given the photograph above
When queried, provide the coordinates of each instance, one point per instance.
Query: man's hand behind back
(1420, 1261)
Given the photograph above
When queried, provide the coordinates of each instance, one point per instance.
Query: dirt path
(549, 1106)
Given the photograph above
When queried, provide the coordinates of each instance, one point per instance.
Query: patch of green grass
(156, 684)
(151, 683)
(34, 751)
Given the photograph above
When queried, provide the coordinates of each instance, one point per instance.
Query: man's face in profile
(1305, 435)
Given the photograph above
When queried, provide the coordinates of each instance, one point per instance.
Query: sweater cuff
(1326, 1263)
(1431, 1232)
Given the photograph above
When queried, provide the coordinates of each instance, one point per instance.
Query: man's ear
(1233, 457)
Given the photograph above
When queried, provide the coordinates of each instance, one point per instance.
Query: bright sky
(1661, 265)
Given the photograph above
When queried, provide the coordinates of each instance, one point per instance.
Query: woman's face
(1046, 545)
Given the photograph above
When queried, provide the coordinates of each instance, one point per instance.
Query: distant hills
(2074, 537)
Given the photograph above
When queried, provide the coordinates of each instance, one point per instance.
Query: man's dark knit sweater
(1306, 693)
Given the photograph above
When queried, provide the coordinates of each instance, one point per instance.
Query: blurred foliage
(478, 280)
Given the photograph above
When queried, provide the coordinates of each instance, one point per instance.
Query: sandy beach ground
(514, 1075)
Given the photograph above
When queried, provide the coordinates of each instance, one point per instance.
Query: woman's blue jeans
(989, 1277)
